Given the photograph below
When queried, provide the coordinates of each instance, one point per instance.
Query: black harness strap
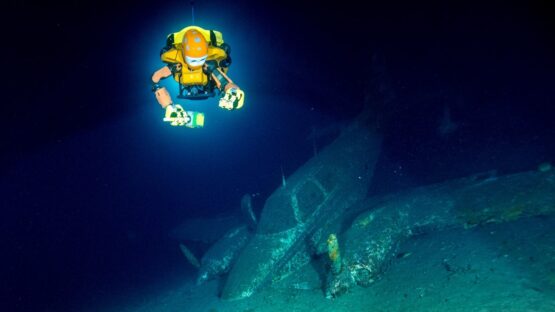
(213, 41)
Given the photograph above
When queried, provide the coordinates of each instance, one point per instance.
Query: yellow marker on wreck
(334, 254)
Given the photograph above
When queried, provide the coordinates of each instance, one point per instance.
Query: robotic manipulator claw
(233, 98)
(177, 116)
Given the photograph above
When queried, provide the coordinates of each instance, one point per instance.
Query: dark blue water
(92, 180)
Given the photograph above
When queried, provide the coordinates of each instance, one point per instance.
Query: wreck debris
(221, 256)
(372, 240)
(189, 256)
(334, 255)
(327, 185)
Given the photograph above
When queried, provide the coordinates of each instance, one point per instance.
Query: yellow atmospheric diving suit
(198, 59)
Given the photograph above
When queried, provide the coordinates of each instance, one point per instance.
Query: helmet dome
(195, 48)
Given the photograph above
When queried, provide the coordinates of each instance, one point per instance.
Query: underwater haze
(104, 204)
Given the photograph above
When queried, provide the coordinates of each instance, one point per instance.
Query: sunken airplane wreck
(325, 202)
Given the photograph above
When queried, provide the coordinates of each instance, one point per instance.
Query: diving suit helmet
(195, 49)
